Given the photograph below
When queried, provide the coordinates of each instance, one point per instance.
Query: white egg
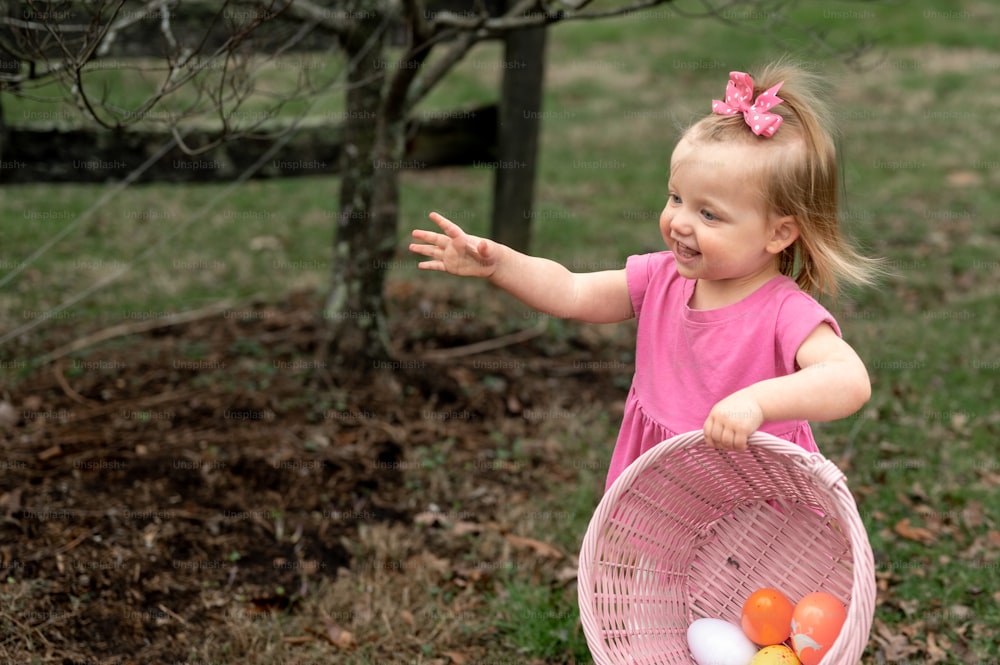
(718, 642)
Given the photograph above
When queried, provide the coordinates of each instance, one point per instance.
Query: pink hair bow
(738, 95)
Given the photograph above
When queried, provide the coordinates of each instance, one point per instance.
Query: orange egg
(816, 623)
(767, 617)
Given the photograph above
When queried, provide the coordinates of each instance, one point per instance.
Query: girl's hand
(454, 251)
(732, 420)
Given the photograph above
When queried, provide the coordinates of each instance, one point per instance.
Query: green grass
(541, 622)
(920, 188)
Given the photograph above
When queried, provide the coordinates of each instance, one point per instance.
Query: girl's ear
(784, 231)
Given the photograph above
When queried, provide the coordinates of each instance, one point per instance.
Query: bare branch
(21, 24)
(165, 28)
(416, 18)
(530, 14)
(72, 59)
(728, 13)
(395, 102)
(436, 72)
(129, 20)
(338, 21)
(469, 30)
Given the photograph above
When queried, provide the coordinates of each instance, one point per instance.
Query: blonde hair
(799, 178)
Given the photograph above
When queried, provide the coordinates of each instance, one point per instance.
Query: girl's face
(715, 220)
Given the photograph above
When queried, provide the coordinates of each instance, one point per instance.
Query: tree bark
(354, 309)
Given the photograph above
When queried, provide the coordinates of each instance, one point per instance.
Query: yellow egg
(777, 654)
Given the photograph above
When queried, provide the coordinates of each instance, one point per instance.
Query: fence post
(517, 134)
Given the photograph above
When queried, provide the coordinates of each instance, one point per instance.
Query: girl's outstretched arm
(831, 384)
(547, 286)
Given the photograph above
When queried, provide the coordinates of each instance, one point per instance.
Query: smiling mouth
(684, 251)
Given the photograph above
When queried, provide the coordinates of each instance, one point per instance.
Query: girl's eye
(707, 215)
(676, 200)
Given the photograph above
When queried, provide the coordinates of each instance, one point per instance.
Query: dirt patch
(161, 484)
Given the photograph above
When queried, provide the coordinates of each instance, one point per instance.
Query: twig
(172, 614)
(25, 629)
(132, 328)
(68, 389)
(38, 556)
(487, 345)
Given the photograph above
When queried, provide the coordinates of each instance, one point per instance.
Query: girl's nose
(679, 224)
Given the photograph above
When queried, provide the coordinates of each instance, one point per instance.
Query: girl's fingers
(439, 220)
(424, 250)
(429, 237)
(482, 250)
(450, 228)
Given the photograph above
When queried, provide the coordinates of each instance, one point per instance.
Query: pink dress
(686, 360)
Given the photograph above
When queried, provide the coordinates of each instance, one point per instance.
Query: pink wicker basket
(688, 531)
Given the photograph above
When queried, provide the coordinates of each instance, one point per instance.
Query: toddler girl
(729, 339)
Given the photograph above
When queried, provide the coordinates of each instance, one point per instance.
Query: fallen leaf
(909, 607)
(964, 178)
(428, 518)
(427, 561)
(10, 502)
(567, 574)
(343, 639)
(919, 534)
(8, 414)
(960, 612)
(991, 479)
(461, 528)
(935, 653)
(337, 635)
(261, 243)
(972, 515)
(407, 617)
(455, 657)
(895, 647)
(471, 574)
(538, 547)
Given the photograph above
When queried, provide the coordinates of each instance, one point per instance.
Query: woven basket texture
(688, 531)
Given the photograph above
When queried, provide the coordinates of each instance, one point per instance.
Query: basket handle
(824, 470)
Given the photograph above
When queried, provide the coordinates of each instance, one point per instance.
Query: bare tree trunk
(354, 309)
(378, 101)
(3, 130)
(10, 67)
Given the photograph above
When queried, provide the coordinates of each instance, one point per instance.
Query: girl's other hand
(454, 251)
(732, 420)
